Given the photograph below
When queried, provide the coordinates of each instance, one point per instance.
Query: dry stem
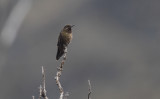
(58, 74)
(90, 91)
(66, 95)
(42, 89)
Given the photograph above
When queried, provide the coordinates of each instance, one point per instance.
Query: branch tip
(89, 90)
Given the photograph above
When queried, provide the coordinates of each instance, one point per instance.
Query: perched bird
(64, 39)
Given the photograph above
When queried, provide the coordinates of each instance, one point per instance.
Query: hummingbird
(64, 39)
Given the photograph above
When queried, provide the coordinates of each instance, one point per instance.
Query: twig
(66, 95)
(58, 74)
(33, 97)
(42, 89)
(90, 90)
(40, 92)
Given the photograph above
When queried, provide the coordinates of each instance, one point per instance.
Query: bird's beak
(72, 26)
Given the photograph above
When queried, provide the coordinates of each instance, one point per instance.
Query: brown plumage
(63, 40)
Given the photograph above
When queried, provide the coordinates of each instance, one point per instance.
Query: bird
(64, 39)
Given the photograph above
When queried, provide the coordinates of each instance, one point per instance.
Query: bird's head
(68, 28)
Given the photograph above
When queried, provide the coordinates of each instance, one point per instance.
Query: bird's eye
(67, 28)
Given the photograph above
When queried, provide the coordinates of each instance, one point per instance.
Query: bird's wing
(63, 40)
(60, 40)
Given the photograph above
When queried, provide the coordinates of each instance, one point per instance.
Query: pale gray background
(116, 45)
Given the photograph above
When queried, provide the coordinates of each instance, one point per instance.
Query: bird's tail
(60, 52)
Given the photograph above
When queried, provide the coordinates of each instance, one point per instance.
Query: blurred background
(115, 44)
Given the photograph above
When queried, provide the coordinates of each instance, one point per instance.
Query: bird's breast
(67, 36)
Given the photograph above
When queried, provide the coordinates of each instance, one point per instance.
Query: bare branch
(43, 92)
(43, 81)
(66, 95)
(33, 97)
(90, 91)
(40, 92)
(58, 74)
